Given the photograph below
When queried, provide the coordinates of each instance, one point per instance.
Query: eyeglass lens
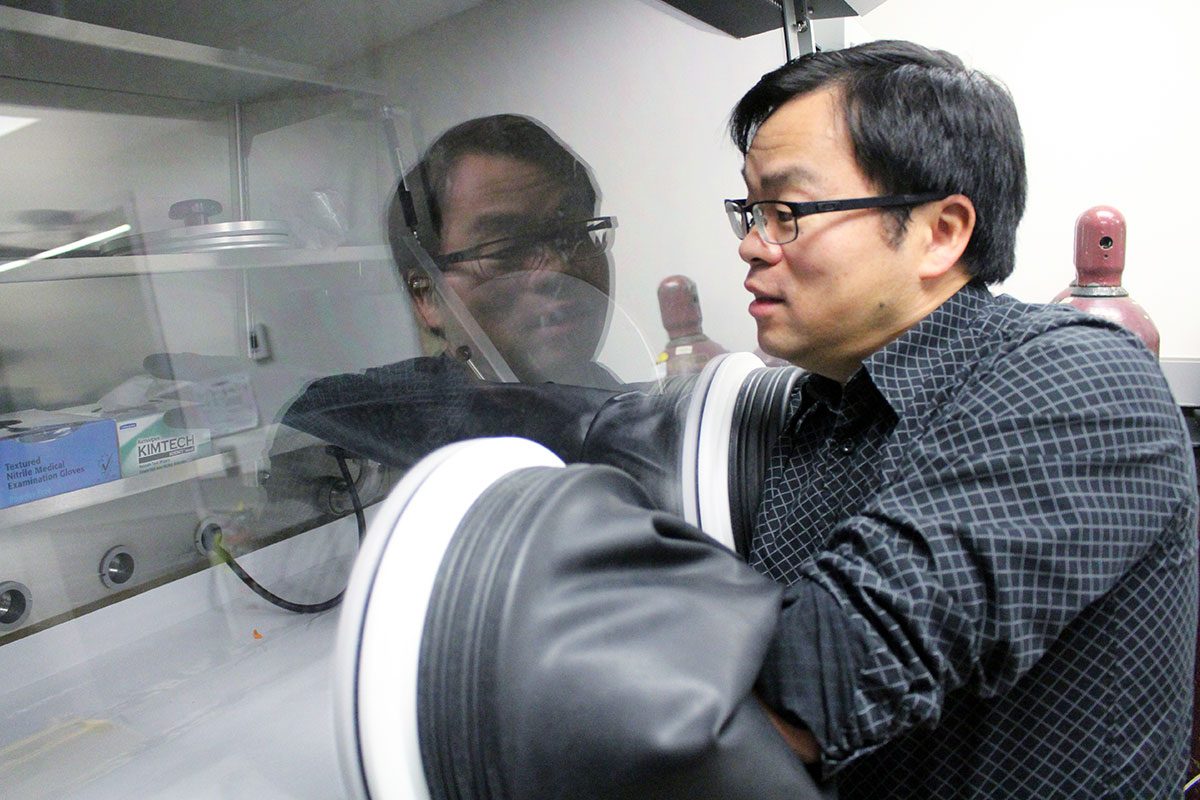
(578, 242)
(775, 222)
(737, 218)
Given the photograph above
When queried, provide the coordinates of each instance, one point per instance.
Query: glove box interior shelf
(130, 112)
(118, 266)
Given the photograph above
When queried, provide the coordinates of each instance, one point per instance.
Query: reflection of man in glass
(512, 229)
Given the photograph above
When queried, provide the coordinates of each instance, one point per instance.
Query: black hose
(267, 594)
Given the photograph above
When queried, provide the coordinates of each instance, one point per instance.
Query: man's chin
(765, 345)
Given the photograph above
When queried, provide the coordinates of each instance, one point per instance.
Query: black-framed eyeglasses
(568, 241)
(778, 221)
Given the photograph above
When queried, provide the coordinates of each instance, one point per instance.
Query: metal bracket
(392, 117)
(797, 28)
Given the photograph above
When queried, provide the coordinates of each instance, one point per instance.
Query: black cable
(267, 594)
(351, 487)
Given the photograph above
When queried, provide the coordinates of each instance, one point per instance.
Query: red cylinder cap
(1100, 247)
(679, 305)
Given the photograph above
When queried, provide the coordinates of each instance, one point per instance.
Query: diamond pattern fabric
(989, 541)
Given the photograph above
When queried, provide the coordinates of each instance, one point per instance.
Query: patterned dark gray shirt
(989, 539)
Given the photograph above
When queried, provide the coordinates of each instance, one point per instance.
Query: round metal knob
(15, 604)
(208, 535)
(116, 568)
(194, 212)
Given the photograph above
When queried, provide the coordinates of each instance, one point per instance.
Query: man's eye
(508, 257)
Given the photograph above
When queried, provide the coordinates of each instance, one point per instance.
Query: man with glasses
(508, 214)
(984, 511)
(499, 243)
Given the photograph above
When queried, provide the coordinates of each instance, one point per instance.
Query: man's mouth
(763, 303)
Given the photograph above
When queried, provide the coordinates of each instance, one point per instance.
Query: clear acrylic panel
(225, 335)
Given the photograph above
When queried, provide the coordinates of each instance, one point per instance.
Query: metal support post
(797, 28)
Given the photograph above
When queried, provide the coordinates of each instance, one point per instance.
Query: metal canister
(1099, 265)
(688, 348)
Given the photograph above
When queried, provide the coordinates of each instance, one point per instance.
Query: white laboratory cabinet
(191, 233)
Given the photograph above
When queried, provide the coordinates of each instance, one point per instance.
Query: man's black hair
(511, 135)
(919, 121)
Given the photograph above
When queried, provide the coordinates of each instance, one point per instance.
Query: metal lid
(203, 238)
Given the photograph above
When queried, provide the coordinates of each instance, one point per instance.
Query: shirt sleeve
(1029, 492)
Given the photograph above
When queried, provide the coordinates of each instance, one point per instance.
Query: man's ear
(951, 222)
(420, 288)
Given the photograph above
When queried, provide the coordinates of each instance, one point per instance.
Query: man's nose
(754, 250)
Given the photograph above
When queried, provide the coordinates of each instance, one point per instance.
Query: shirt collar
(899, 368)
(853, 402)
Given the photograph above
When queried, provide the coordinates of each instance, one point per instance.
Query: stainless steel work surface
(196, 689)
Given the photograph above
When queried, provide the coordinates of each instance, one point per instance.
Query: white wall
(642, 93)
(1106, 93)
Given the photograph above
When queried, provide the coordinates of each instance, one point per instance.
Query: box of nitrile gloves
(155, 435)
(45, 453)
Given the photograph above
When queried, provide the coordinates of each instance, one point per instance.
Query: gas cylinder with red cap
(688, 348)
(1099, 263)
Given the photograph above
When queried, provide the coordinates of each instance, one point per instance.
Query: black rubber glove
(641, 433)
(399, 413)
(581, 645)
